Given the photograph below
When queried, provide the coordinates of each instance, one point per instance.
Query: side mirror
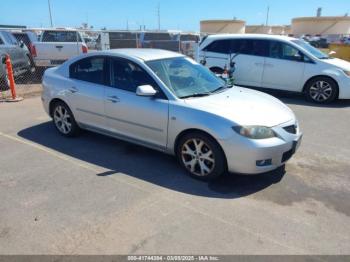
(21, 44)
(146, 90)
(3, 60)
(203, 62)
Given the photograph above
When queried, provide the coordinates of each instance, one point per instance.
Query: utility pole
(158, 16)
(49, 3)
(127, 24)
(267, 15)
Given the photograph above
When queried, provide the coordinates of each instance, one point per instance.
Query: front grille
(291, 129)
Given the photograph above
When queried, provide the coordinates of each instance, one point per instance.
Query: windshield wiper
(221, 88)
(196, 95)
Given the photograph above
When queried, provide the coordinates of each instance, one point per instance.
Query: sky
(174, 14)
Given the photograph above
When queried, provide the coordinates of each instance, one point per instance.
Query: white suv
(278, 62)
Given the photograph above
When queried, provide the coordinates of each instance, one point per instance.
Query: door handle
(73, 90)
(113, 99)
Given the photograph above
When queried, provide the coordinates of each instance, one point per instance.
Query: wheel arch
(195, 130)
(317, 76)
(53, 102)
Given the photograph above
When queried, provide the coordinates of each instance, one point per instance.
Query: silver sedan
(168, 102)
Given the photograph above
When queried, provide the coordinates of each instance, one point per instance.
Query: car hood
(245, 107)
(345, 65)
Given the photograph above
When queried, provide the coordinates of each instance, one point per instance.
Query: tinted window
(24, 38)
(128, 76)
(284, 51)
(90, 69)
(250, 47)
(219, 46)
(61, 36)
(9, 38)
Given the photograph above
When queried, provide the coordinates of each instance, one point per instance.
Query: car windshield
(312, 50)
(186, 78)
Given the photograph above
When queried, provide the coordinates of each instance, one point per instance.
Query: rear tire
(201, 156)
(64, 120)
(321, 90)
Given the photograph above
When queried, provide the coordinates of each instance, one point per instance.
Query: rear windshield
(61, 36)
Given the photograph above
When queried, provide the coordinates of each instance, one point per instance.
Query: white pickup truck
(56, 46)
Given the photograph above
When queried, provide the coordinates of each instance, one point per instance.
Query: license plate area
(57, 62)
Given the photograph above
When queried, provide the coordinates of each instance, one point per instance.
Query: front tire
(321, 90)
(64, 120)
(201, 156)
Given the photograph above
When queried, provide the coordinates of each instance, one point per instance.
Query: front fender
(182, 118)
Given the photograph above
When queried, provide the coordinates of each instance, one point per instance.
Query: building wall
(321, 26)
(222, 26)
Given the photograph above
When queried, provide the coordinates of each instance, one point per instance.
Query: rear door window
(256, 47)
(219, 46)
(92, 69)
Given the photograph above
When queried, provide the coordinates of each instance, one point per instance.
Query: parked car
(28, 38)
(19, 54)
(168, 102)
(279, 62)
(57, 46)
(4, 80)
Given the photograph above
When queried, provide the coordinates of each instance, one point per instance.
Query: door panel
(87, 100)
(86, 90)
(283, 74)
(284, 68)
(140, 118)
(249, 70)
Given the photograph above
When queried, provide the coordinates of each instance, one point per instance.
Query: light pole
(49, 3)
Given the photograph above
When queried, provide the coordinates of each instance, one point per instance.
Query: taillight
(33, 50)
(84, 49)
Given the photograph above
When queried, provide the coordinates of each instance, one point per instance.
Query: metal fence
(32, 51)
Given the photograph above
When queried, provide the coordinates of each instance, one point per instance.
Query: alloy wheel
(198, 157)
(321, 91)
(62, 119)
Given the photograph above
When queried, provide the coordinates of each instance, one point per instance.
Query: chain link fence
(32, 51)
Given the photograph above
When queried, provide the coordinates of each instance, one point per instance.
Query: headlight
(347, 72)
(255, 132)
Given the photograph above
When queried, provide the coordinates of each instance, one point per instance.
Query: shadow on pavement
(154, 167)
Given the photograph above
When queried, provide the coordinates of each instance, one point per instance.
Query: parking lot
(97, 195)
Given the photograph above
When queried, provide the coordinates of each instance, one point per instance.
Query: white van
(278, 62)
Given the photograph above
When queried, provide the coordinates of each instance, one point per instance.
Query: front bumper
(243, 154)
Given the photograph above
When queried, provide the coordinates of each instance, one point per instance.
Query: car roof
(250, 36)
(145, 54)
